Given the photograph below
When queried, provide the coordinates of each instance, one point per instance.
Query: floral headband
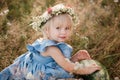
(39, 21)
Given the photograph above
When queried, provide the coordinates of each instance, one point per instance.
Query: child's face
(60, 30)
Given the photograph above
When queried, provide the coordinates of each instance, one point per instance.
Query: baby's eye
(67, 28)
(57, 27)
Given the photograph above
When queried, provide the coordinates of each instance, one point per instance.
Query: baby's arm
(80, 55)
(69, 66)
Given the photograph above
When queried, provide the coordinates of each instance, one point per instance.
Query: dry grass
(98, 31)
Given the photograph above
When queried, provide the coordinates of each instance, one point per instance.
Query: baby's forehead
(62, 20)
(61, 23)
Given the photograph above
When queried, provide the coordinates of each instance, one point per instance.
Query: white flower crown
(39, 21)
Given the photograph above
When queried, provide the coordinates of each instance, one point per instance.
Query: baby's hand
(89, 69)
(82, 54)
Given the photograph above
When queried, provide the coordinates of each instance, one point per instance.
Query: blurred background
(98, 29)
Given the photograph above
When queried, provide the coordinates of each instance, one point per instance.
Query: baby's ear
(47, 30)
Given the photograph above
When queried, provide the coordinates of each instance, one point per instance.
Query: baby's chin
(62, 40)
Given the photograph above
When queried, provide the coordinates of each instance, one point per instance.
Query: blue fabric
(33, 66)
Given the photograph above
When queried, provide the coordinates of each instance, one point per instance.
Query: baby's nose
(63, 31)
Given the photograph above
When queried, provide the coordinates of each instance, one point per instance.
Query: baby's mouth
(63, 37)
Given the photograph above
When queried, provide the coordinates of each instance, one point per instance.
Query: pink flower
(49, 10)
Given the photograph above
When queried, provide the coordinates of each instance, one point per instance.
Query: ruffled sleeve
(40, 47)
(65, 49)
(35, 47)
(47, 43)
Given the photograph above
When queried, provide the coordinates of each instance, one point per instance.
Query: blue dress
(33, 66)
